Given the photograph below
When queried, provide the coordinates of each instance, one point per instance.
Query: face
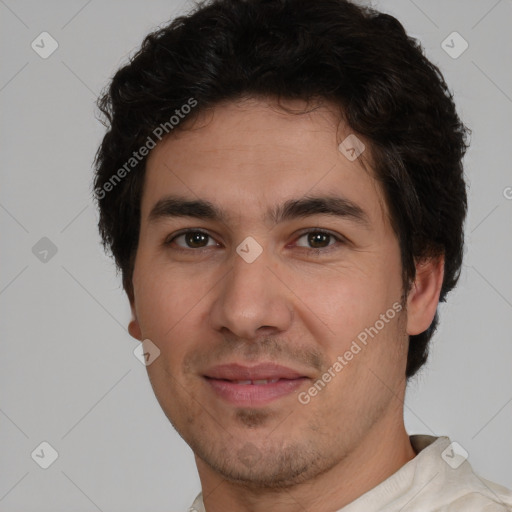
(269, 277)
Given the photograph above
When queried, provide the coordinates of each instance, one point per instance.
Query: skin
(204, 306)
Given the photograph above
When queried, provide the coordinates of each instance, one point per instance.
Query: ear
(133, 326)
(423, 297)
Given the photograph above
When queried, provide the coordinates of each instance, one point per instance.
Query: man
(281, 186)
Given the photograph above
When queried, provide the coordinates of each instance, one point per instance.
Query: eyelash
(338, 238)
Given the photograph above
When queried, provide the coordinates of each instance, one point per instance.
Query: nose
(252, 300)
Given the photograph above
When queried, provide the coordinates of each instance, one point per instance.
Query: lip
(235, 384)
(260, 371)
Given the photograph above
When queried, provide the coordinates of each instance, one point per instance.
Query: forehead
(250, 155)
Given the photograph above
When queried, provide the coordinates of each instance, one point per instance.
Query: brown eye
(196, 239)
(192, 239)
(317, 239)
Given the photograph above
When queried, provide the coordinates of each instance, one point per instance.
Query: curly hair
(354, 56)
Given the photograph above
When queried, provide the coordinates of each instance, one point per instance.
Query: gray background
(68, 374)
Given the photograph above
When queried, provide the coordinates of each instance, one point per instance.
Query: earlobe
(423, 297)
(133, 326)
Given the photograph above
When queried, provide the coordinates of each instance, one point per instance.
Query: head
(233, 116)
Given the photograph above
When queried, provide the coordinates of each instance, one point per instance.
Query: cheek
(340, 305)
(163, 300)
(339, 302)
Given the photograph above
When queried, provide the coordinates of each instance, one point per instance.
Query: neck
(382, 452)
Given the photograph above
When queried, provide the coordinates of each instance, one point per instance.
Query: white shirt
(438, 479)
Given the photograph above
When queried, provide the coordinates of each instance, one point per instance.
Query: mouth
(259, 382)
(253, 386)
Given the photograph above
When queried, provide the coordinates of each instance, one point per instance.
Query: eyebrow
(176, 206)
